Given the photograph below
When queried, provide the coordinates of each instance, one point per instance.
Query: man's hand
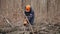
(25, 22)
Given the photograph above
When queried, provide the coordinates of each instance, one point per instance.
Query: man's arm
(32, 19)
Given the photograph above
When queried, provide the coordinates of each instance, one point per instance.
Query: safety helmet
(28, 7)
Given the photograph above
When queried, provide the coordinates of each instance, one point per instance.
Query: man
(29, 13)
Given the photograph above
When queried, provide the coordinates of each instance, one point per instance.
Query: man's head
(28, 7)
